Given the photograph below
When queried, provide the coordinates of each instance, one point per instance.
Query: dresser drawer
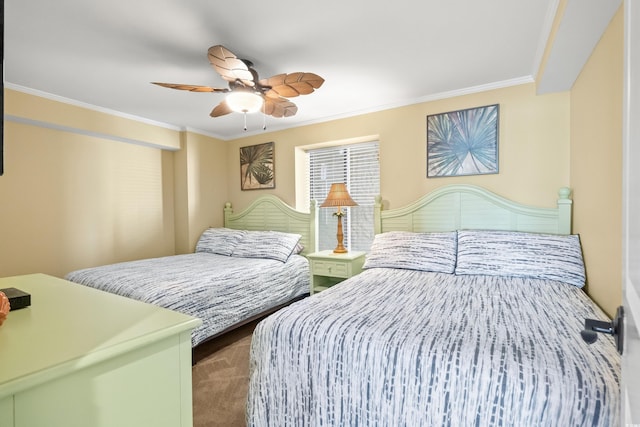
(328, 268)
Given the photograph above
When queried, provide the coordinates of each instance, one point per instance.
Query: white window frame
(302, 166)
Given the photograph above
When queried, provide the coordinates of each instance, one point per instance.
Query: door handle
(616, 328)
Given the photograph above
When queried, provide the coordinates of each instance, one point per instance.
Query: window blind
(358, 166)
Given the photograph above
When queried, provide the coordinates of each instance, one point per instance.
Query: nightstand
(329, 268)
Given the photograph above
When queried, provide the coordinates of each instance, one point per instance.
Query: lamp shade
(338, 196)
(244, 102)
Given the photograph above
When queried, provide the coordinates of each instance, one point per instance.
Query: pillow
(520, 254)
(267, 244)
(413, 251)
(219, 241)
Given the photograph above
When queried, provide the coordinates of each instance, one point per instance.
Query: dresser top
(69, 326)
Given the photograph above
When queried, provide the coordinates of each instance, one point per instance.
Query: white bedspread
(396, 347)
(220, 290)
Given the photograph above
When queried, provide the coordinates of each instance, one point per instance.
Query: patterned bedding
(220, 290)
(398, 347)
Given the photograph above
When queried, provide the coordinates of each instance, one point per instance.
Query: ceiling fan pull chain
(264, 118)
(245, 121)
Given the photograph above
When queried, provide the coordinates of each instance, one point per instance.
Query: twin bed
(252, 266)
(468, 313)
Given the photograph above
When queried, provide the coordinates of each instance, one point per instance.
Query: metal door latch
(615, 327)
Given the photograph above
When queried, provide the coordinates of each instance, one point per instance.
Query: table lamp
(339, 196)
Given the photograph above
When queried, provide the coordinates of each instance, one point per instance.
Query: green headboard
(271, 213)
(460, 207)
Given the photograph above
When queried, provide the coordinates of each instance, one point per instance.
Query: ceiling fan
(247, 93)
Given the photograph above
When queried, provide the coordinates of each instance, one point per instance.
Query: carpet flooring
(220, 379)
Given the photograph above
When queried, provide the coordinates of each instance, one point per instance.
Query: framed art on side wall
(257, 167)
(463, 142)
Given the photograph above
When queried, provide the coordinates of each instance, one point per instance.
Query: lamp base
(340, 249)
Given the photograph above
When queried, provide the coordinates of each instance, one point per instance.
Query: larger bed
(242, 271)
(468, 313)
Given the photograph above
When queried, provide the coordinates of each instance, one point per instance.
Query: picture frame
(257, 167)
(463, 142)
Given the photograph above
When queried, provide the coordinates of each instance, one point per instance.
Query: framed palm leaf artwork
(463, 142)
(257, 167)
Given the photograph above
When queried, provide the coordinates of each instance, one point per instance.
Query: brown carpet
(221, 379)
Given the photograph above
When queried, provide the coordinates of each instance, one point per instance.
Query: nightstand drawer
(328, 268)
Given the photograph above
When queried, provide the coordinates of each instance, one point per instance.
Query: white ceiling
(372, 54)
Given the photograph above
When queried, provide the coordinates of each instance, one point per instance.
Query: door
(631, 215)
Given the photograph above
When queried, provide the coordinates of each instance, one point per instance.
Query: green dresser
(82, 357)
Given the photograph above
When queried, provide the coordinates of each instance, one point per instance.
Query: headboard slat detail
(459, 207)
(271, 213)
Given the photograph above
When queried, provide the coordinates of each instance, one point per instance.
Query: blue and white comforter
(220, 290)
(393, 347)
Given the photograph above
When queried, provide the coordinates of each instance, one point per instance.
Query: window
(356, 165)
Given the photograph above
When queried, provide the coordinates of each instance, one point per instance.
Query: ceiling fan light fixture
(244, 102)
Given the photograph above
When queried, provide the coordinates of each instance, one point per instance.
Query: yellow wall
(70, 201)
(596, 165)
(533, 151)
(73, 195)
(66, 116)
(203, 188)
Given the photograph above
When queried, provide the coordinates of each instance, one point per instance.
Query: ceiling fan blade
(279, 107)
(221, 110)
(294, 84)
(227, 64)
(192, 88)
